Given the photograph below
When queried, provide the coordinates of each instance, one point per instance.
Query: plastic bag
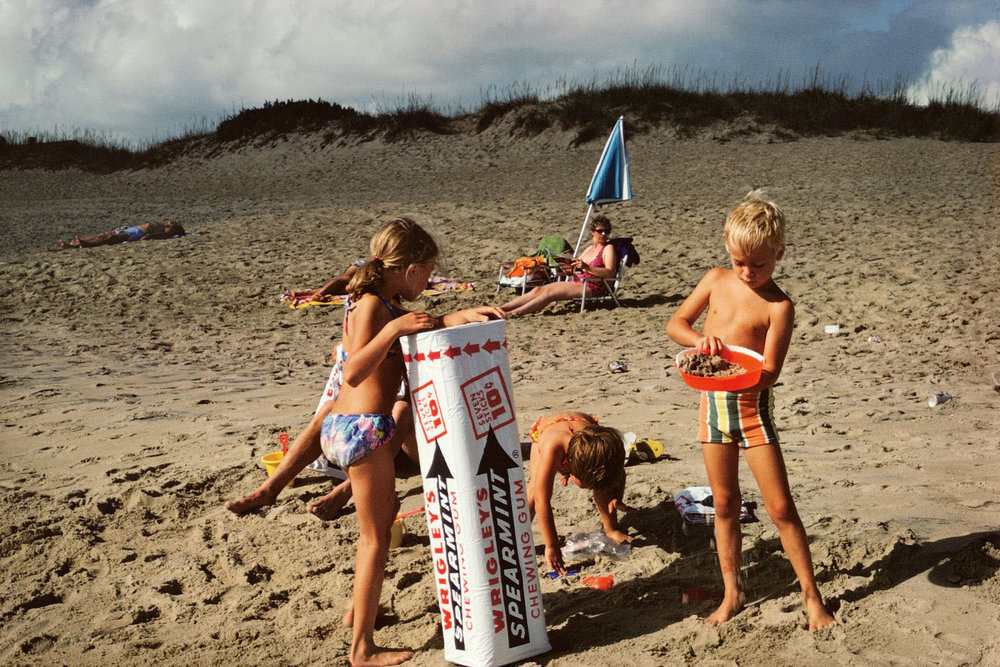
(592, 544)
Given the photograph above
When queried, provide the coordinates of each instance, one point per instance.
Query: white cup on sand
(937, 399)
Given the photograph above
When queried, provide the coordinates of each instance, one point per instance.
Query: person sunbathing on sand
(746, 307)
(337, 285)
(147, 231)
(307, 450)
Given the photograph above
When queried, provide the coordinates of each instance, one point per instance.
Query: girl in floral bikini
(575, 446)
(355, 429)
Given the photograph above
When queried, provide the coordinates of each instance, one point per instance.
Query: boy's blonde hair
(397, 244)
(756, 223)
(595, 455)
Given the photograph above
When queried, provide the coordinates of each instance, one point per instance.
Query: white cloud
(970, 65)
(150, 69)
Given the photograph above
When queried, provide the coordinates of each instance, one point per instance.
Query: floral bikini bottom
(346, 439)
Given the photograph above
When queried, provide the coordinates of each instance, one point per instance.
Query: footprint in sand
(38, 644)
(170, 587)
(109, 506)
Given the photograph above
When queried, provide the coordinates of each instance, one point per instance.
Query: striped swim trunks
(743, 418)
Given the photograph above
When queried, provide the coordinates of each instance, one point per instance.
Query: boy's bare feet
(819, 617)
(330, 506)
(730, 606)
(250, 502)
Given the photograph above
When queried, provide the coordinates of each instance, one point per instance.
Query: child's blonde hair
(398, 244)
(756, 223)
(595, 455)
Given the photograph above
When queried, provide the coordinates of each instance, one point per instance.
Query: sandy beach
(142, 383)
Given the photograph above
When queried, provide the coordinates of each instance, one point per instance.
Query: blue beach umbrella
(610, 183)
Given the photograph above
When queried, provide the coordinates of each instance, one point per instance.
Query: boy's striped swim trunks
(743, 418)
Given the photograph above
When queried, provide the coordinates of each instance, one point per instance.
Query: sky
(142, 71)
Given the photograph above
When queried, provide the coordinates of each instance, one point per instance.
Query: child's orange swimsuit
(535, 434)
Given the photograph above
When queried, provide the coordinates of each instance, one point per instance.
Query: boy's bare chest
(738, 313)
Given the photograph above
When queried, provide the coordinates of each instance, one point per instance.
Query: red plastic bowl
(752, 362)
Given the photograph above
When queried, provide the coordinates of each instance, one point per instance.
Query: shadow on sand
(579, 618)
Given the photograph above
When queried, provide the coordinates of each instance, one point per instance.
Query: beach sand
(142, 383)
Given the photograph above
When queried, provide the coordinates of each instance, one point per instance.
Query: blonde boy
(745, 307)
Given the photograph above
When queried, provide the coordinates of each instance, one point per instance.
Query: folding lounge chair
(531, 276)
(627, 256)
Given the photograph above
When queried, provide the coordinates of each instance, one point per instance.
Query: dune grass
(651, 99)
(818, 106)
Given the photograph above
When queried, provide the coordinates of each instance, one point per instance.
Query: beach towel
(694, 504)
(436, 285)
(624, 248)
(535, 268)
(553, 245)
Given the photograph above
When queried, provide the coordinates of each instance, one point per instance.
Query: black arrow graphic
(495, 464)
(446, 566)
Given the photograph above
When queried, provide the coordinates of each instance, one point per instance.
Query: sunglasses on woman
(602, 232)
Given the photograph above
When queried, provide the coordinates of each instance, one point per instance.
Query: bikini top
(395, 312)
(332, 389)
(535, 434)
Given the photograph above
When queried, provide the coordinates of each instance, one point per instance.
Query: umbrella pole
(583, 230)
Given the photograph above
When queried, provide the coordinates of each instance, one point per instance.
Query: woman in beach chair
(598, 260)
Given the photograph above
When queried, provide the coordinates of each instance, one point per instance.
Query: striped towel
(695, 506)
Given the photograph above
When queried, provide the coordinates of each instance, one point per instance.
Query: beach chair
(524, 273)
(536, 269)
(627, 256)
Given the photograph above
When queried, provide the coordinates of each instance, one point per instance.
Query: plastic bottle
(592, 544)
(937, 399)
(577, 544)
